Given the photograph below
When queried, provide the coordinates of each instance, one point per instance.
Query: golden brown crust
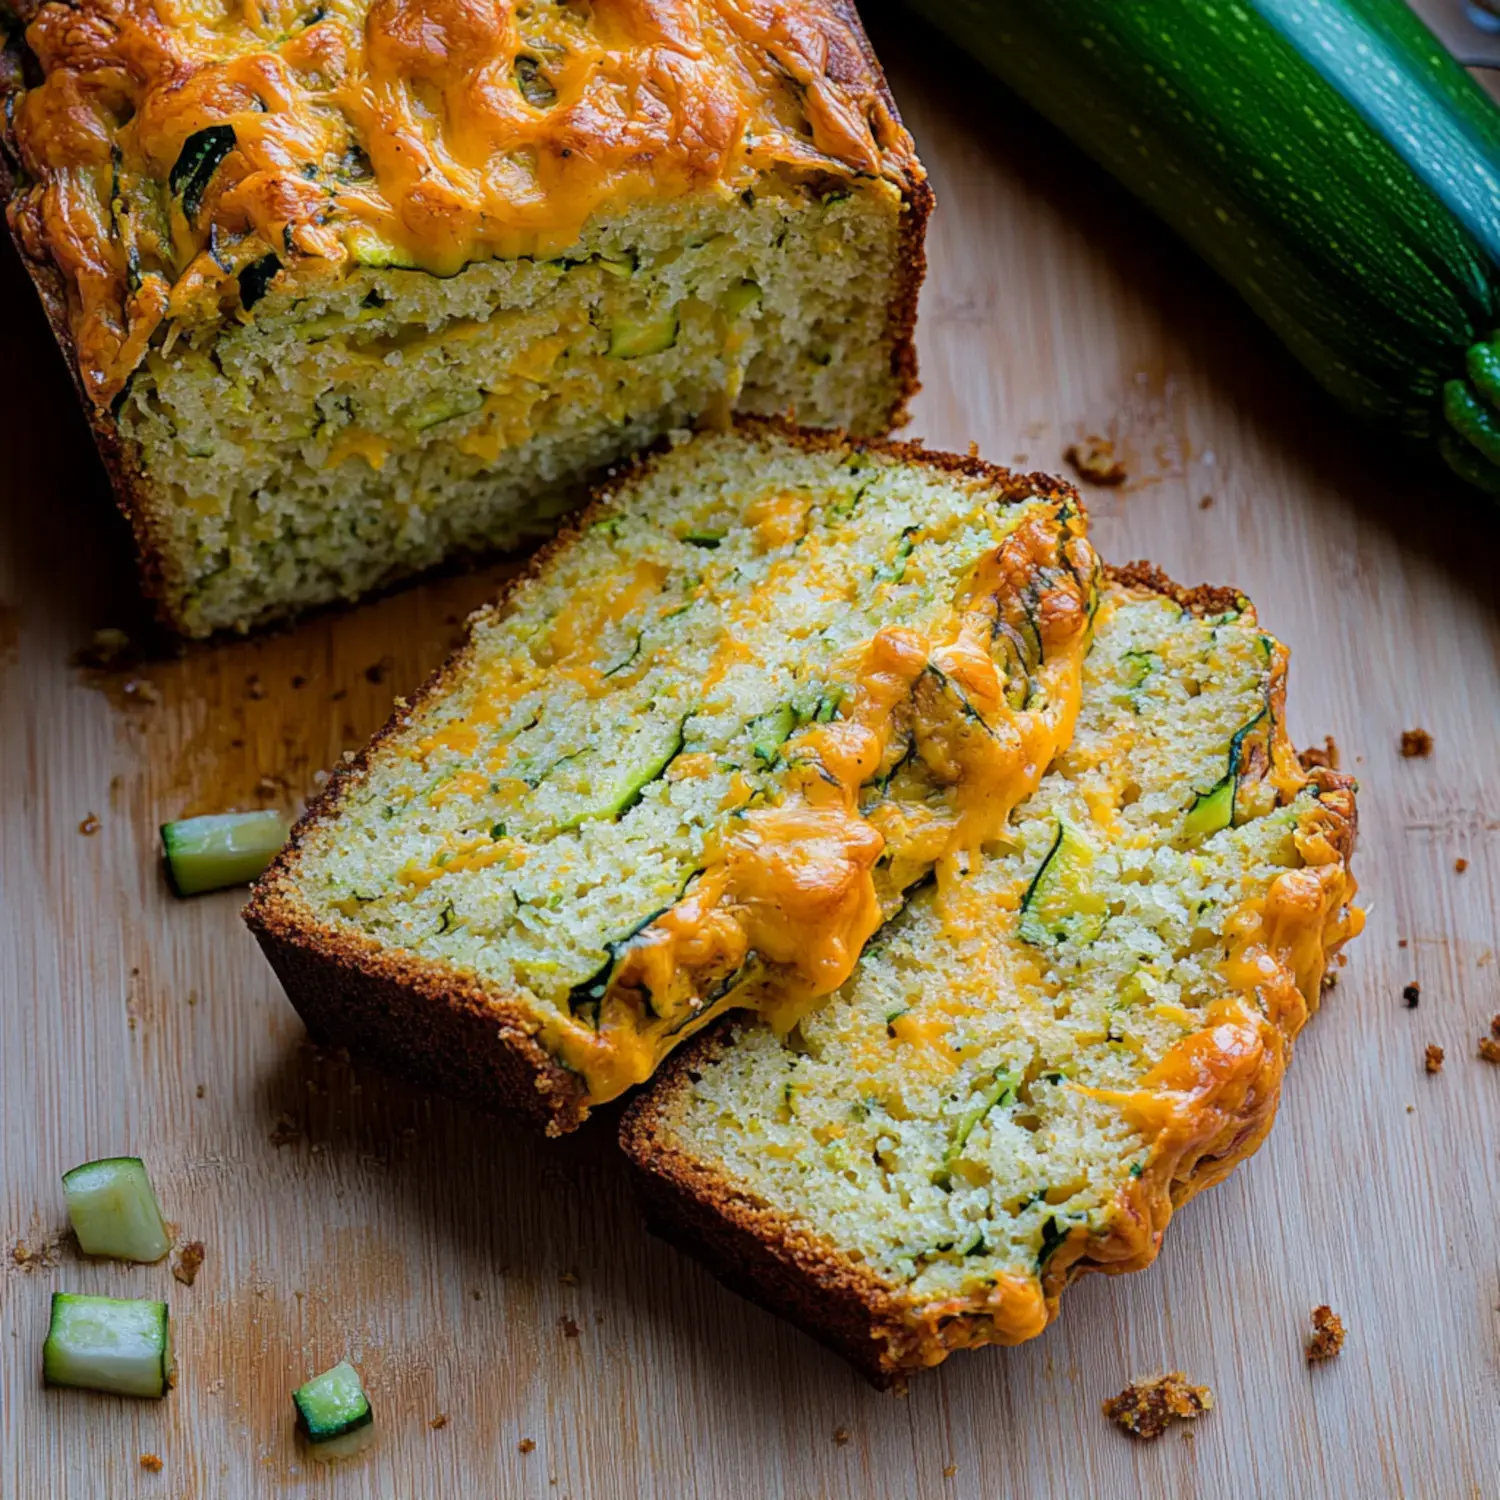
(777, 1261)
(1201, 599)
(444, 130)
(443, 1028)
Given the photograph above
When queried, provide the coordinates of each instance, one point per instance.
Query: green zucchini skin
(1327, 157)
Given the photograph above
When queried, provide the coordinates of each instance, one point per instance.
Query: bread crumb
(151, 1462)
(439, 1421)
(189, 1262)
(1433, 1060)
(1411, 995)
(1416, 744)
(1327, 756)
(840, 1436)
(254, 687)
(1489, 1048)
(376, 671)
(1146, 1408)
(1094, 459)
(525, 1446)
(1328, 1334)
(949, 1470)
(1401, 942)
(569, 1327)
(90, 825)
(285, 1131)
(39, 1257)
(1206, 503)
(201, 1090)
(568, 1278)
(1459, 866)
(141, 690)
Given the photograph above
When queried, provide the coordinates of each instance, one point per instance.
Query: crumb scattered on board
(1326, 755)
(1416, 744)
(1489, 1046)
(1094, 459)
(151, 1462)
(285, 1132)
(1206, 503)
(439, 1421)
(90, 825)
(526, 1446)
(1327, 1336)
(1433, 1058)
(569, 1327)
(949, 1470)
(41, 1256)
(1459, 866)
(1411, 995)
(568, 1278)
(841, 1435)
(1146, 1408)
(189, 1262)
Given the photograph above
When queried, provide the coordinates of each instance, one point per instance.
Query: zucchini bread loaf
(763, 688)
(349, 288)
(1049, 1050)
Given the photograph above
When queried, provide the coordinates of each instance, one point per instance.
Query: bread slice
(351, 295)
(1039, 1059)
(767, 684)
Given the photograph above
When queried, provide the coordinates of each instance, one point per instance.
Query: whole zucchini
(1334, 163)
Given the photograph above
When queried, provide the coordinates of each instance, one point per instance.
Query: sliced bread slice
(1035, 1063)
(765, 686)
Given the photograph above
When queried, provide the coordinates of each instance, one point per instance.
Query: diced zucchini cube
(334, 1413)
(114, 1211)
(221, 849)
(108, 1344)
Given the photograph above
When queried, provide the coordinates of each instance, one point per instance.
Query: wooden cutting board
(520, 1333)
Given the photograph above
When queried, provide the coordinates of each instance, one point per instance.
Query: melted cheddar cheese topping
(791, 892)
(174, 143)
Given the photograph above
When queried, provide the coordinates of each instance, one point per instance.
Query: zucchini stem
(1470, 420)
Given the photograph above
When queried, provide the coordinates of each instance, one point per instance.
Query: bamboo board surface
(506, 1284)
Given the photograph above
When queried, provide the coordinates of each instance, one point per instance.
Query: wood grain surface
(477, 1274)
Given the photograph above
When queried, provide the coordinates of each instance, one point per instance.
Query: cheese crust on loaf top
(178, 156)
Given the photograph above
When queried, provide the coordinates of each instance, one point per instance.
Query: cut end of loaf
(349, 435)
